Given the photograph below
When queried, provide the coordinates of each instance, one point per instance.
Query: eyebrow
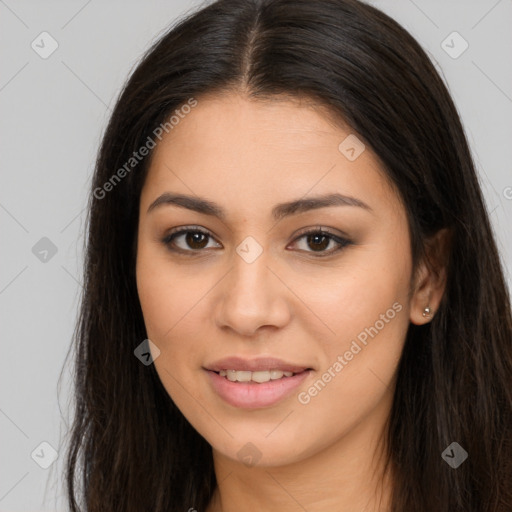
(206, 207)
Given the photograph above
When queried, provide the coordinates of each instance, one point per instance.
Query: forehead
(248, 152)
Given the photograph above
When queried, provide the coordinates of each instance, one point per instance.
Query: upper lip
(255, 365)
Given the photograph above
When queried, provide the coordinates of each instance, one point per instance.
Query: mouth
(256, 383)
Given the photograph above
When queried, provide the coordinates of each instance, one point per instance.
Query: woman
(293, 297)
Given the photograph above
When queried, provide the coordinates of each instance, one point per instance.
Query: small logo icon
(249, 454)
(147, 352)
(454, 45)
(454, 455)
(44, 45)
(44, 455)
(44, 250)
(249, 250)
(351, 147)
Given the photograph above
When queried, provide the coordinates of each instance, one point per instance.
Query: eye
(194, 239)
(319, 239)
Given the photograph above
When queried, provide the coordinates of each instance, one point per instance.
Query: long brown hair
(130, 448)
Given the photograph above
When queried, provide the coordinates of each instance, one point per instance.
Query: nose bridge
(252, 296)
(250, 279)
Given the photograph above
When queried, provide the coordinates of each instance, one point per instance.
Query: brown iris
(316, 237)
(193, 238)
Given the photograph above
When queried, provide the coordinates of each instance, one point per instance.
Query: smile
(255, 390)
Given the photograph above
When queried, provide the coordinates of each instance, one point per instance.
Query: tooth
(259, 376)
(263, 376)
(243, 376)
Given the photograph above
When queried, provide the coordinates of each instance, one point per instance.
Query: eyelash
(170, 237)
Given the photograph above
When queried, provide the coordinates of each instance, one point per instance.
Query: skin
(247, 156)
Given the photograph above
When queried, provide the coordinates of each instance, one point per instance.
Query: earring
(426, 312)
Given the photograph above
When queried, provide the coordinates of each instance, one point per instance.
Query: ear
(429, 281)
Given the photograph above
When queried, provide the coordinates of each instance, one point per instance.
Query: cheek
(358, 295)
(171, 300)
(167, 294)
(355, 387)
(368, 320)
(355, 381)
(168, 306)
(366, 310)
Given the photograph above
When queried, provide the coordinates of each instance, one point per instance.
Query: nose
(252, 296)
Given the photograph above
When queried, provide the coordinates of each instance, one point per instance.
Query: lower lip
(252, 395)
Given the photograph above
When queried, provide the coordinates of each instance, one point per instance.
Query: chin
(251, 450)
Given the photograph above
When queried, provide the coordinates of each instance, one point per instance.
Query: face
(238, 277)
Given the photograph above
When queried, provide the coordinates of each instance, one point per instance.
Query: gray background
(53, 112)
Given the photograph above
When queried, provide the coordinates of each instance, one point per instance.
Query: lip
(255, 365)
(254, 395)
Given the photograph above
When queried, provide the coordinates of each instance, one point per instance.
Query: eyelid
(181, 230)
(322, 229)
(341, 239)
